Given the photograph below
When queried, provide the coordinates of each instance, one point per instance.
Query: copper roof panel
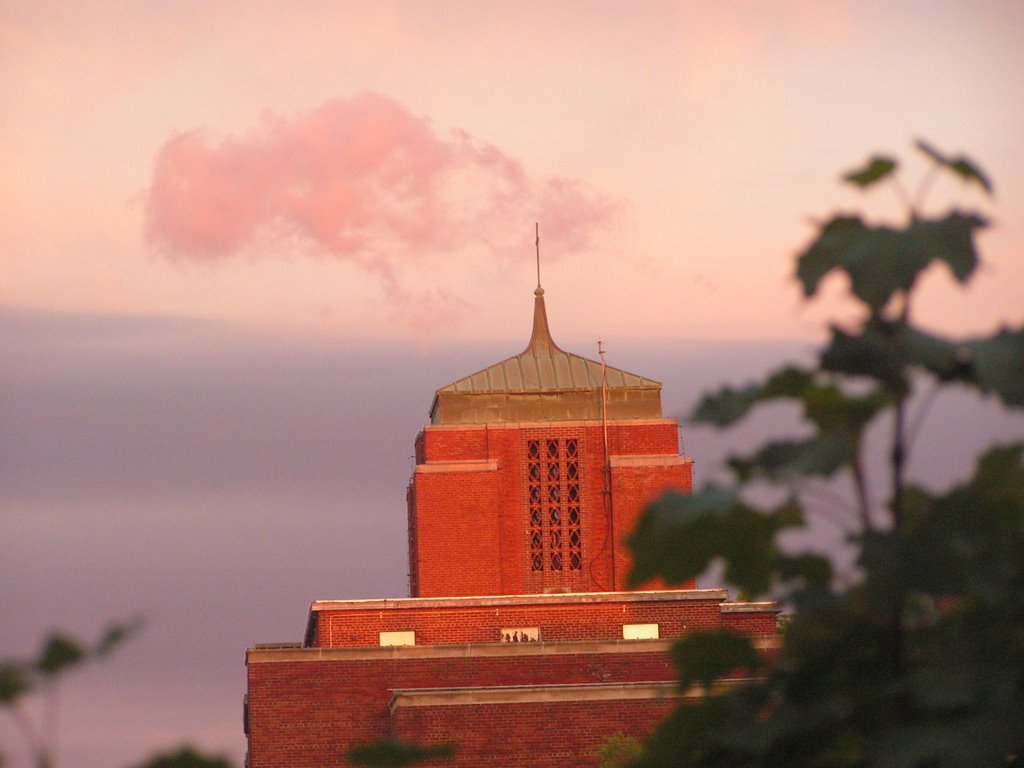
(546, 372)
(578, 373)
(531, 378)
(513, 374)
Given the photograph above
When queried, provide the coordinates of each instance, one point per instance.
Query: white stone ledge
(466, 650)
(657, 460)
(523, 694)
(471, 465)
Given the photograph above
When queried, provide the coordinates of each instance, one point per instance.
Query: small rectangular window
(398, 638)
(639, 631)
(520, 634)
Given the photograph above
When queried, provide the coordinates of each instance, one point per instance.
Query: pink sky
(694, 139)
(241, 245)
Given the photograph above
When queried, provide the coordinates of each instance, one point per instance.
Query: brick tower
(532, 471)
(519, 641)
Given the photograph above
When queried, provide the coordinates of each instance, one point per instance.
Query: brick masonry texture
(311, 712)
(528, 735)
(315, 703)
(465, 623)
(469, 524)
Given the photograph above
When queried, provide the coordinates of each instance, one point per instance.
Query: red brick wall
(457, 516)
(482, 624)
(757, 623)
(562, 734)
(308, 712)
(470, 532)
(632, 489)
(463, 444)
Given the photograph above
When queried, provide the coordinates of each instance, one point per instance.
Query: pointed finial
(539, 291)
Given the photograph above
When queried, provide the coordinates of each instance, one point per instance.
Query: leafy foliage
(393, 753)
(878, 168)
(617, 751)
(920, 664)
(960, 165)
(59, 654)
(679, 536)
(186, 757)
(882, 261)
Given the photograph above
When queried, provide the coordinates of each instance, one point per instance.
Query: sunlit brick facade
(520, 641)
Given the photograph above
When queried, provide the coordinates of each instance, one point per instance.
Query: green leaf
(785, 460)
(839, 418)
(962, 166)
(878, 168)
(59, 653)
(888, 351)
(832, 410)
(13, 682)
(728, 405)
(704, 657)
(810, 568)
(881, 261)
(993, 364)
(950, 240)
(186, 757)
(967, 544)
(661, 541)
(873, 353)
(969, 172)
(931, 152)
(678, 536)
(392, 753)
(114, 636)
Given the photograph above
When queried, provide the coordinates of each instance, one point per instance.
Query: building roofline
(548, 423)
(553, 598)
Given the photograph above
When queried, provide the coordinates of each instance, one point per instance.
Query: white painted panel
(398, 638)
(639, 631)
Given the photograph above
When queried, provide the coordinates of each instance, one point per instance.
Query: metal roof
(544, 367)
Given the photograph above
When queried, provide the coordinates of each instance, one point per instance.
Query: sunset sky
(243, 243)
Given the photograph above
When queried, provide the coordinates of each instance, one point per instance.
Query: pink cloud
(362, 179)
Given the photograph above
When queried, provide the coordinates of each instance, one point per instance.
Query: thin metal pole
(537, 230)
(607, 460)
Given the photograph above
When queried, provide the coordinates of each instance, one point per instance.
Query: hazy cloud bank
(363, 180)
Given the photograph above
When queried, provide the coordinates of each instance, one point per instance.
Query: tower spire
(540, 340)
(539, 291)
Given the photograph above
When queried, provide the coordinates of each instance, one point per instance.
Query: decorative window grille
(553, 497)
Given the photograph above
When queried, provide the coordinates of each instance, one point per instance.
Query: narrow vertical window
(572, 493)
(554, 498)
(534, 497)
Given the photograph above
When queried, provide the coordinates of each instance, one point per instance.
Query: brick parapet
(483, 620)
(555, 618)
